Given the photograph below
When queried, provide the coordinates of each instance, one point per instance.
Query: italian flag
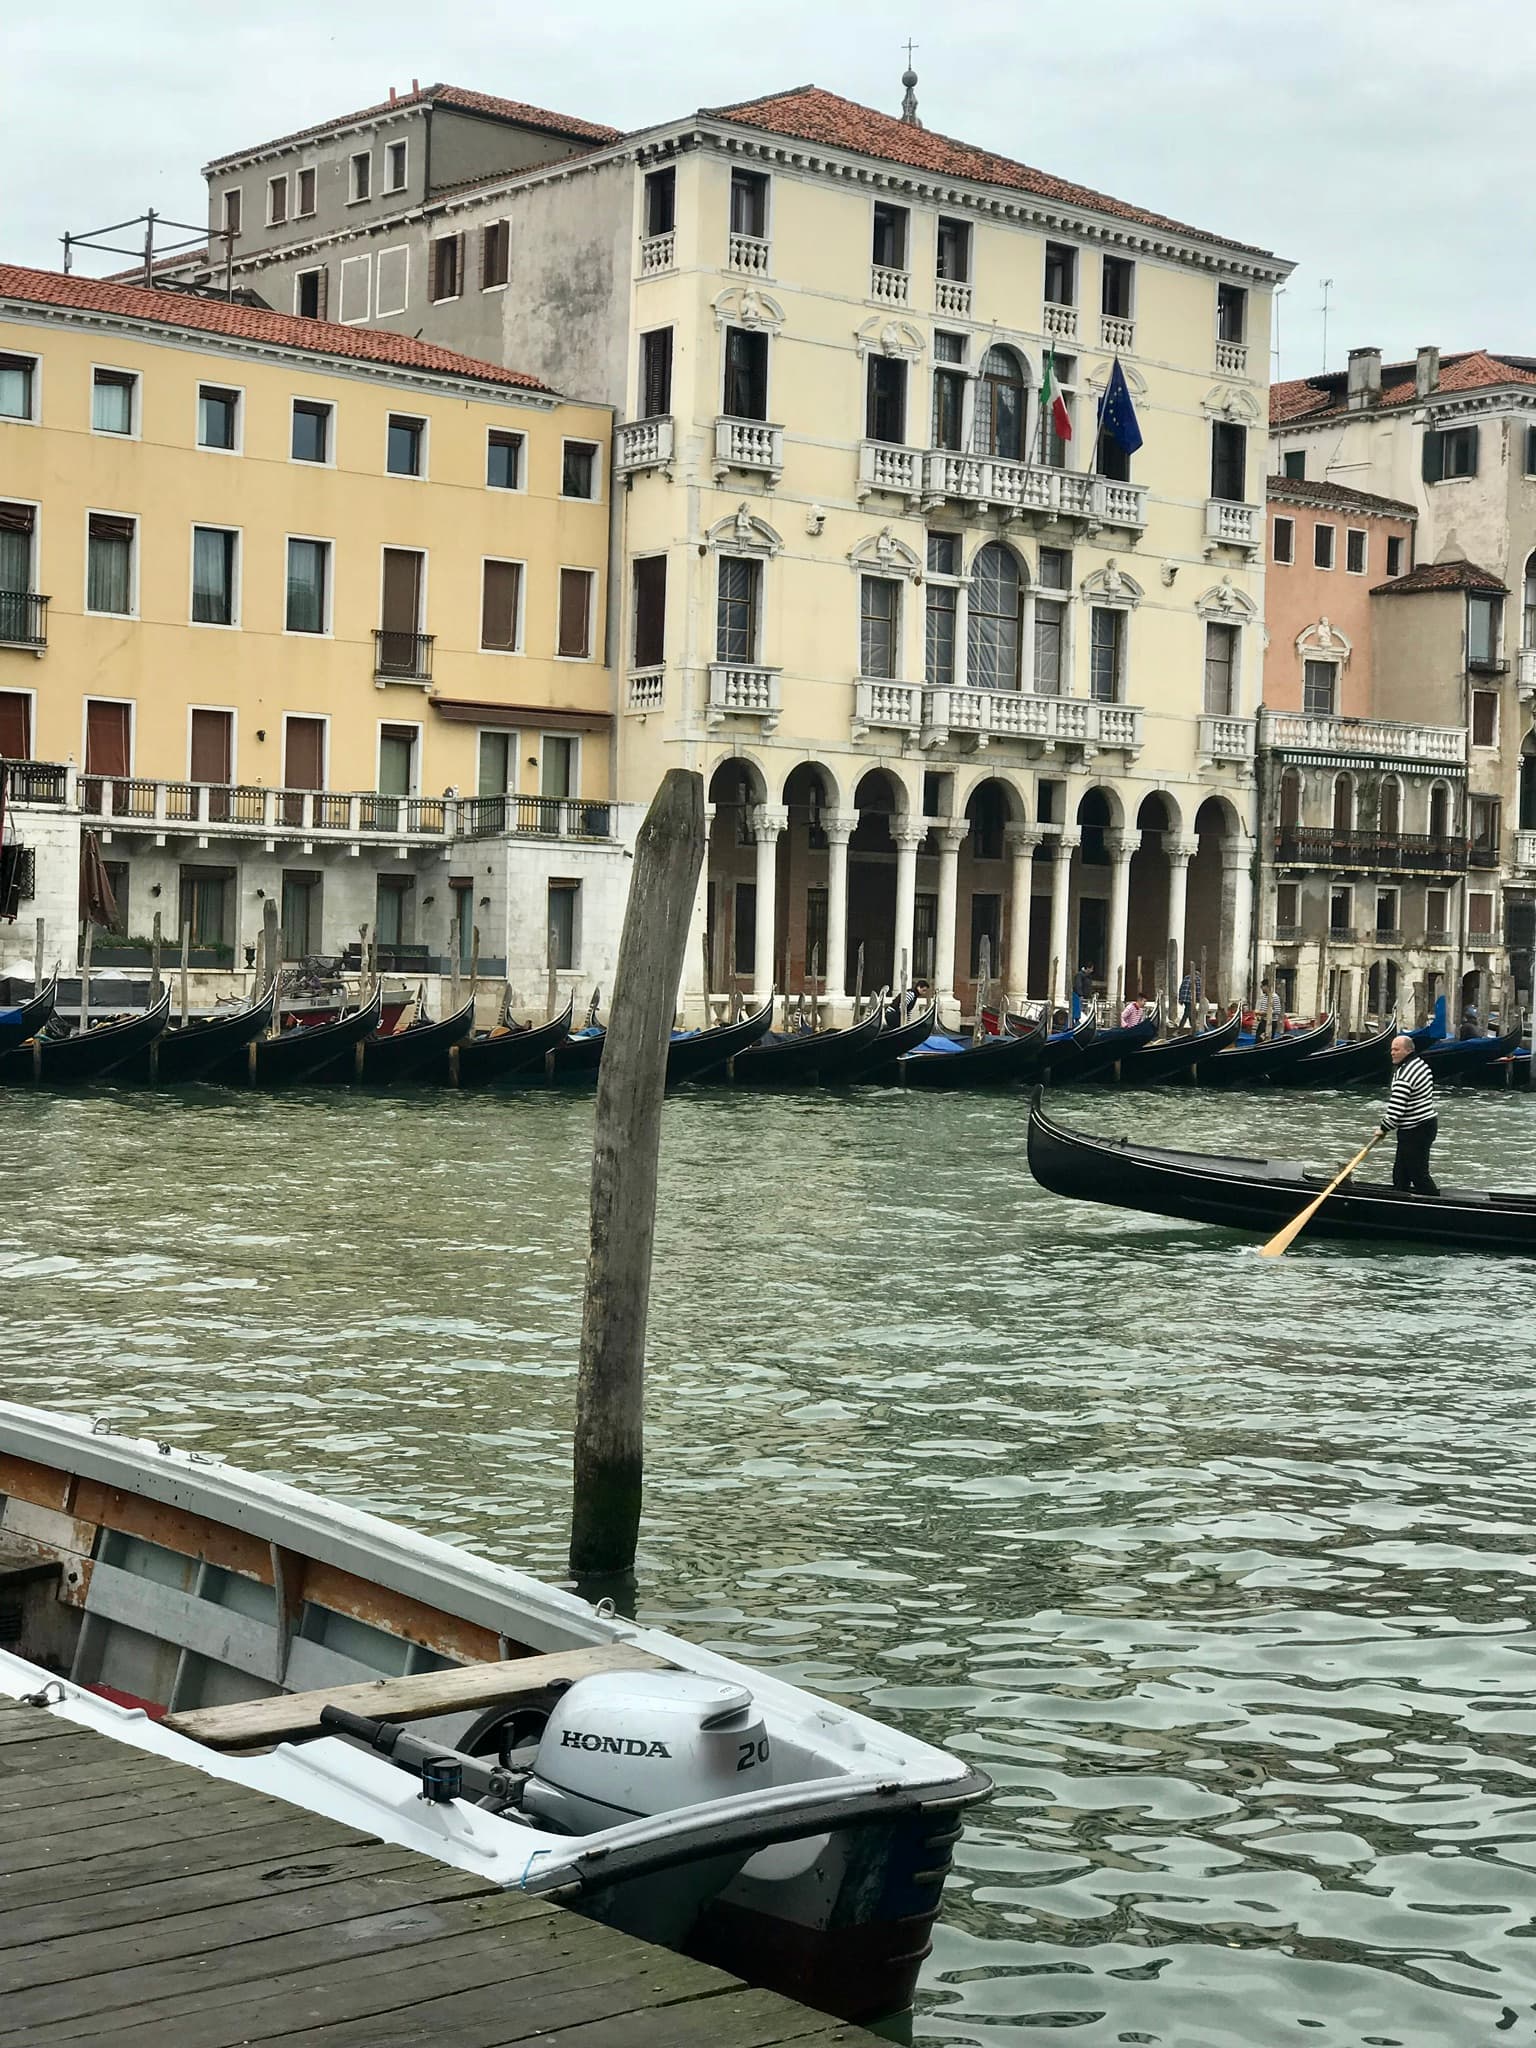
(1052, 405)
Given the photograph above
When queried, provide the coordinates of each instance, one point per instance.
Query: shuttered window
(109, 564)
(499, 606)
(650, 611)
(575, 630)
(495, 251)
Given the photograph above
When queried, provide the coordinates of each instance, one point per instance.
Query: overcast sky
(1378, 143)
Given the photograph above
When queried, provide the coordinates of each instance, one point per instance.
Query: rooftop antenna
(1327, 288)
(909, 80)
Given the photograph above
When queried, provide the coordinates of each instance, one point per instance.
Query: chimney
(415, 85)
(1426, 377)
(1364, 378)
(391, 95)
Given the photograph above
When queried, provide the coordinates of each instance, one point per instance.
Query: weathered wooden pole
(271, 942)
(453, 961)
(154, 962)
(474, 958)
(85, 976)
(626, 1141)
(186, 948)
(37, 956)
(858, 983)
(550, 943)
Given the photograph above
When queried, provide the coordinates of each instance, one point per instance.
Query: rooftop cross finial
(909, 80)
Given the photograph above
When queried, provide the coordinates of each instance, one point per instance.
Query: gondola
(877, 1060)
(22, 1021)
(310, 1052)
(1357, 1059)
(1514, 1072)
(499, 1055)
(194, 1051)
(86, 1055)
(795, 1058)
(994, 1062)
(1065, 1054)
(406, 1055)
(1462, 1059)
(1171, 1059)
(1241, 1065)
(1100, 1059)
(1432, 1032)
(1262, 1194)
(577, 1057)
(691, 1054)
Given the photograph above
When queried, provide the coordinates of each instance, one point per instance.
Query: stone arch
(1101, 807)
(745, 766)
(966, 786)
(831, 787)
(1210, 922)
(738, 794)
(991, 806)
(1159, 822)
(1001, 419)
(874, 783)
(1171, 820)
(1343, 802)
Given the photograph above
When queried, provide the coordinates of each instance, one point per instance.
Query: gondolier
(1413, 1113)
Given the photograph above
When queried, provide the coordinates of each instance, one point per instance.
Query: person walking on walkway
(1191, 997)
(1413, 1113)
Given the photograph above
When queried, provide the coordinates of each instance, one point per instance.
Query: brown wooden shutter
(650, 611)
(104, 526)
(304, 754)
(402, 591)
(212, 746)
(17, 518)
(106, 738)
(575, 612)
(15, 726)
(498, 607)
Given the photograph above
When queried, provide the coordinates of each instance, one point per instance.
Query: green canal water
(1223, 1569)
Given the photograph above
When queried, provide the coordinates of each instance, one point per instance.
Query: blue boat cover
(11, 1016)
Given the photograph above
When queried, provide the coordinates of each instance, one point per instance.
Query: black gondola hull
(31, 1016)
(1242, 1065)
(992, 1063)
(85, 1056)
(407, 1055)
(489, 1056)
(1172, 1059)
(312, 1052)
(576, 1058)
(1068, 1055)
(697, 1053)
(877, 1060)
(1463, 1059)
(803, 1057)
(1363, 1060)
(193, 1052)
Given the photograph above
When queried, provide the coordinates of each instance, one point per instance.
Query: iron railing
(401, 657)
(23, 619)
(1322, 846)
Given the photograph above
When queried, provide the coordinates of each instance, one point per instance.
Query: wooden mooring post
(154, 961)
(609, 1447)
(271, 944)
(454, 964)
(37, 955)
(85, 975)
(186, 948)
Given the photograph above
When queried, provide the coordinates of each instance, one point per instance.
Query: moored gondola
(1463, 1059)
(796, 1058)
(1513, 1072)
(21, 1021)
(86, 1055)
(1171, 1059)
(406, 1055)
(992, 1062)
(1262, 1194)
(1065, 1054)
(1357, 1059)
(1241, 1065)
(1431, 1033)
(1101, 1058)
(577, 1057)
(691, 1054)
(309, 1052)
(505, 1053)
(196, 1050)
(877, 1060)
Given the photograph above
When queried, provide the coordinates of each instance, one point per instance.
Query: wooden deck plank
(258, 1839)
(738, 2018)
(110, 1831)
(101, 1803)
(87, 1770)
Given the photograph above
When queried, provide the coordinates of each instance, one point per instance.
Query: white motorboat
(412, 1689)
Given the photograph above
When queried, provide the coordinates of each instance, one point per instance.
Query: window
(309, 295)
(1485, 718)
(995, 620)
(885, 411)
(1394, 554)
(18, 384)
(1060, 274)
(889, 251)
(1355, 547)
(306, 196)
(109, 575)
(447, 254)
(218, 417)
(215, 554)
(1054, 574)
(746, 374)
(1343, 804)
(1389, 807)
(1284, 550)
(1055, 569)
(393, 293)
(1483, 825)
(564, 898)
(578, 469)
(207, 895)
(1290, 799)
(942, 610)
(749, 204)
(1231, 313)
(308, 596)
(311, 437)
(656, 374)
(649, 583)
(1296, 463)
(1448, 453)
(18, 526)
(1483, 632)
(948, 428)
(303, 762)
(1322, 547)
(879, 626)
(1341, 912)
(1106, 655)
(1287, 907)
(1386, 912)
(396, 157)
(407, 441)
(495, 255)
(360, 175)
(1530, 451)
(112, 397)
(660, 202)
(1221, 645)
(300, 913)
(737, 608)
(211, 751)
(954, 253)
(574, 639)
(744, 928)
(496, 768)
(400, 611)
(277, 201)
(234, 209)
(503, 460)
(356, 283)
(15, 726)
(397, 761)
(1118, 284)
(392, 910)
(1437, 916)
(501, 607)
(1439, 811)
(1319, 680)
(1480, 914)
(1229, 461)
(559, 765)
(1002, 406)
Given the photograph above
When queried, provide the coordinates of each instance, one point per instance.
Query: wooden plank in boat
(251, 1724)
(326, 1585)
(179, 1529)
(25, 1479)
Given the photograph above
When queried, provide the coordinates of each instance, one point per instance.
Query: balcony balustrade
(400, 657)
(1524, 856)
(1482, 853)
(647, 688)
(35, 782)
(1230, 525)
(950, 295)
(1525, 672)
(1116, 332)
(890, 287)
(1232, 358)
(1227, 739)
(1029, 487)
(657, 252)
(643, 444)
(887, 707)
(23, 620)
(749, 253)
(740, 690)
(1290, 731)
(884, 467)
(1022, 715)
(1060, 321)
(749, 444)
(1417, 852)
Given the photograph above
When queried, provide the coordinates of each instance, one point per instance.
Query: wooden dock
(147, 1906)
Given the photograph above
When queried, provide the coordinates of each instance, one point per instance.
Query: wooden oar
(1284, 1239)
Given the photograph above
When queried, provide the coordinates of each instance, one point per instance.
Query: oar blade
(1282, 1240)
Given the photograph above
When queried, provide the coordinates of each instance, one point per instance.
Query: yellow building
(301, 609)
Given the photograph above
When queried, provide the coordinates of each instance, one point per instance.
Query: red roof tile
(525, 116)
(1320, 397)
(1441, 576)
(807, 113)
(251, 323)
(1304, 490)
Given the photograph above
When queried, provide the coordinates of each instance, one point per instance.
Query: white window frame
(1289, 561)
(93, 697)
(35, 558)
(208, 447)
(394, 547)
(410, 476)
(34, 418)
(519, 625)
(1135, 269)
(448, 298)
(314, 270)
(571, 885)
(232, 713)
(575, 740)
(514, 740)
(349, 263)
(1444, 924)
(327, 632)
(1365, 564)
(583, 569)
(1488, 746)
(237, 193)
(276, 220)
(1347, 891)
(869, 574)
(520, 488)
(583, 441)
(1292, 923)
(135, 401)
(105, 512)
(503, 222)
(237, 581)
(323, 718)
(298, 461)
(414, 725)
(1332, 563)
(403, 144)
(1396, 923)
(383, 312)
(904, 268)
(354, 158)
(1323, 661)
(27, 690)
(1474, 932)
(298, 191)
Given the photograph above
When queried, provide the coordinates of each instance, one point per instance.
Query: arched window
(1528, 783)
(995, 620)
(1528, 637)
(1002, 405)
(1439, 811)
(1389, 808)
(1343, 804)
(1290, 799)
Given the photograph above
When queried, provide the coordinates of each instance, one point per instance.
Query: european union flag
(1117, 415)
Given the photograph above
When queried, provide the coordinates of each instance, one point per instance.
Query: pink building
(1329, 547)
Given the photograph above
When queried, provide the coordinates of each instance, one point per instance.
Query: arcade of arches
(803, 895)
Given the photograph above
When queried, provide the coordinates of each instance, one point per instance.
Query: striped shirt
(1412, 1101)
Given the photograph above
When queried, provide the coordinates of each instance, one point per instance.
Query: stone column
(1021, 841)
(1237, 918)
(1180, 853)
(908, 839)
(1119, 846)
(1067, 840)
(951, 837)
(839, 828)
(766, 827)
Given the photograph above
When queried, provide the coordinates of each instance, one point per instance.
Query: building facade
(953, 675)
(299, 611)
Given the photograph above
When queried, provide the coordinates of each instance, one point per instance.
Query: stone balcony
(645, 690)
(885, 467)
(1227, 739)
(938, 718)
(952, 295)
(657, 253)
(643, 444)
(1116, 332)
(1230, 525)
(887, 707)
(1433, 746)
(1523, 853)
(889, 287)
(1024, 488)
(1525, 671)
(743, 690)
(1232, 358)
(748, 253)
(1059, 322)
(751, 445)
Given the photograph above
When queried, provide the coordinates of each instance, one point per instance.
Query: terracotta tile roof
(1299, 490)
(566, 125)
(250, 323)
(1441, 576)
(807, 113)
(1320, 397)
